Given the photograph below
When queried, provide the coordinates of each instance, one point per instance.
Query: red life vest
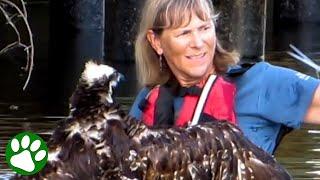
(219, 104)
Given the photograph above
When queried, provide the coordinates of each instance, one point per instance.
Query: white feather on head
(93, 71)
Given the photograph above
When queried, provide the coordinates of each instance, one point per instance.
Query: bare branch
(23, 4)
(29, 49)
(9, 21)
(9, 47)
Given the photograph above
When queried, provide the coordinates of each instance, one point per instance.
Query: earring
(160, 63)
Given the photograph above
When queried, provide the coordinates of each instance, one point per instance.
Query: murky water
(300, 153)
(10, 126)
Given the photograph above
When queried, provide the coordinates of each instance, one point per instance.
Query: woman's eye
(183, 33)
(205, 28)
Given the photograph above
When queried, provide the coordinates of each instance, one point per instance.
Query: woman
(177, 51)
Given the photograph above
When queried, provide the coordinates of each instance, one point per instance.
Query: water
(300, 153)
(10, 126)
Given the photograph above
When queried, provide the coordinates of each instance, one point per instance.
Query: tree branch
(28, 47)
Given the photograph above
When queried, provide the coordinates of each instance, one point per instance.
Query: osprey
(99, 141)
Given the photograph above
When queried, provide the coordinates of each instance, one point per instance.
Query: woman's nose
(196, 40)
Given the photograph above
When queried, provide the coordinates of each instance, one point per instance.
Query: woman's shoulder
(263, 72)
(274, 73)
(135, 110)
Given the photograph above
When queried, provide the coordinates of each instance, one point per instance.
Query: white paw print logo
(26, 153)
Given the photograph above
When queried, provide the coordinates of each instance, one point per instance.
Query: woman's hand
(313, 114)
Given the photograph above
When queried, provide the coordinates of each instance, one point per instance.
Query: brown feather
(99, 141)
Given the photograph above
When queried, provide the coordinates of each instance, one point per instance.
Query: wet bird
(99, 141)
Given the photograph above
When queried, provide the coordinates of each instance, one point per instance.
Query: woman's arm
(313, 113)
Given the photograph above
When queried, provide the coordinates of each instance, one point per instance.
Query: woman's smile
(199, 56)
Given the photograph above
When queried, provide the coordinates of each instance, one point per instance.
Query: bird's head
(95, 86)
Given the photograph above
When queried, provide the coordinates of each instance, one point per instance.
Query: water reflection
(299, 152)
(10, 126)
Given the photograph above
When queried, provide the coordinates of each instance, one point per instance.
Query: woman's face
(188, 50)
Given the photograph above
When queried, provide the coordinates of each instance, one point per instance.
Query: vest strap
(202, 100)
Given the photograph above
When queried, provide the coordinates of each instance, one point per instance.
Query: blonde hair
(161, 14)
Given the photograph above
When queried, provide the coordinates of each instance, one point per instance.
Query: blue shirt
(267, 97)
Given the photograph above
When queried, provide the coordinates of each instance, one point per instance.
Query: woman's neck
(188, 82)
